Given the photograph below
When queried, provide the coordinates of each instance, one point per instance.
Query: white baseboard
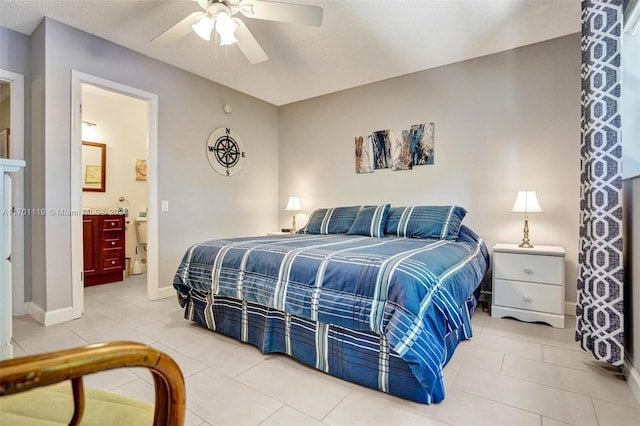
(633, 378)
(46, 318)
(163, 293)
(570, 308)
(21, 309)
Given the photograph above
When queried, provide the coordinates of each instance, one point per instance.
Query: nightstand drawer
(529, 267)
(532, 297)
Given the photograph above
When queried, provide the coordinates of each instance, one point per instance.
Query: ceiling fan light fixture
(204, 27)
(226, 27)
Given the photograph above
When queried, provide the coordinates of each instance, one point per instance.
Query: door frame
(16, 82)
(77, 79)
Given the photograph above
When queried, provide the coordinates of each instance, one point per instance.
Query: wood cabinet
(528, 283)
(103, 246)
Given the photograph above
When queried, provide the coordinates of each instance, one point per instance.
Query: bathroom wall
(121, 124)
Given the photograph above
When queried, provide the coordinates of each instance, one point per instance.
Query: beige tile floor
(511, 373)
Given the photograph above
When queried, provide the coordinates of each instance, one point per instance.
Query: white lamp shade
(203, 28)
(226, 27)
(293, 204)
(526, 202)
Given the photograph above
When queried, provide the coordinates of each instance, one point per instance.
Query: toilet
(141, 231)
(141, 236)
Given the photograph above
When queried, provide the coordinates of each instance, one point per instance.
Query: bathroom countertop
(101, 210)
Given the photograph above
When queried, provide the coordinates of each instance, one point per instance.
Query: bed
(375, 295)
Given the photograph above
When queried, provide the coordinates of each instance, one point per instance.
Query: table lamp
(293, 205)
(526, 202)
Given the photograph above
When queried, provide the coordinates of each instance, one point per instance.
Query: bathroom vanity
(103, 246)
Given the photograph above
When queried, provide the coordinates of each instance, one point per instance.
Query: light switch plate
(165, 205)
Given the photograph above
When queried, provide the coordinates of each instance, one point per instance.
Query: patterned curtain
(599, 327)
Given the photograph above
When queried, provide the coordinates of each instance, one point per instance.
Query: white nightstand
(528, 283)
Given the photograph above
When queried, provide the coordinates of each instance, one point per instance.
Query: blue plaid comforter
(409, 291)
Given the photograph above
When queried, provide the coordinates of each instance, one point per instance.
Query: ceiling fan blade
(283, 12)
(248, 44)
(178, 31)
(203, 3)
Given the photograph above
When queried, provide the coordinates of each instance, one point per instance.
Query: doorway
(114, 162)
(80, 83)
(12, 105)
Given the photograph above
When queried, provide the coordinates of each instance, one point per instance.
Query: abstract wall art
(364, 155)
(381, 151)
(395, 150)
(421, 139)
(400, 150)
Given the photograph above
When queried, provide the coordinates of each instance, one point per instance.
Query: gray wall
(503, 123)
(203, 204)
(37, 286)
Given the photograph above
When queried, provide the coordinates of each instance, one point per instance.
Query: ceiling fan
(219, 14)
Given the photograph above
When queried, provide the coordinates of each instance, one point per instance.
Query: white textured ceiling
(359, 42)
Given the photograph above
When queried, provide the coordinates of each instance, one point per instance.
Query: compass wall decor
(225, 151)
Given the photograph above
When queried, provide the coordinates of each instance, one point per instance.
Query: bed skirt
(357, 356)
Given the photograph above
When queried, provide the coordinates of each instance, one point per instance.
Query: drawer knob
(113, 243)
(113, 262)
(113, 224)
(527, 298)
(528, 270)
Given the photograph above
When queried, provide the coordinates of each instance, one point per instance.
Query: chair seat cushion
(53, 405)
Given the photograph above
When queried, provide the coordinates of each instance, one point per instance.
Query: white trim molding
(633, 378)
(570, 308)
(52, 317)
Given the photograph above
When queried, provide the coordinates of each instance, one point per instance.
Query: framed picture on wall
(5, 144)
(93, 174)
(141, 169)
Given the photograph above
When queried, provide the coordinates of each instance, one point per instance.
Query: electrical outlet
(165, 205)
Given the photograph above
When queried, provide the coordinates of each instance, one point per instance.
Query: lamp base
(293, 224)
(525, 238)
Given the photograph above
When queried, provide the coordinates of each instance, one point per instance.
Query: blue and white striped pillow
(426, 221)
(393, 218)
(335, 220)
(370, 221)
